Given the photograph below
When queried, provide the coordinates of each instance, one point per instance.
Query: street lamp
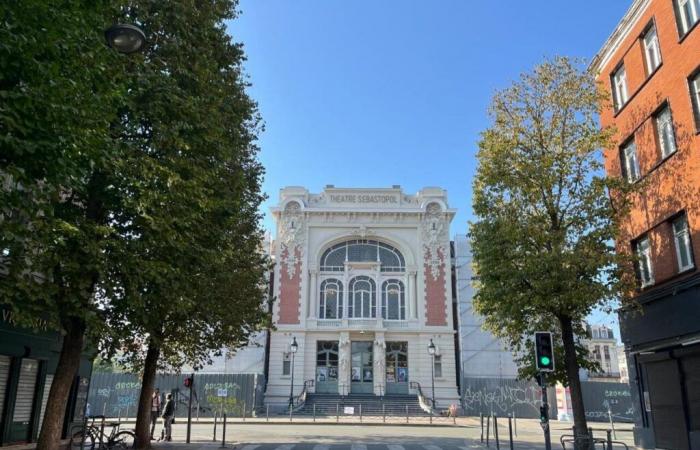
(293, 347)
(431, 352)
(125, 38)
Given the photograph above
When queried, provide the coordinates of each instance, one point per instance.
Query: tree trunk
(68, 364)
(572, 374)
(143, 419)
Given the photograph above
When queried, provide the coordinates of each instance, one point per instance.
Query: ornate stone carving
(362, 232)
(435, 237)
(292, 236)
(379, 362)
(343, 360)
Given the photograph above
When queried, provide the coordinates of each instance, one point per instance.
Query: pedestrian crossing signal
(544, 351)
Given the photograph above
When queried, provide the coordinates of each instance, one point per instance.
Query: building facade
(362, 284)
(602, 346)
(481, 355)
(651, 64)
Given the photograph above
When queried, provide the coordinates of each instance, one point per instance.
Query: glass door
(397, 367)
(327, 367)
(362, 371)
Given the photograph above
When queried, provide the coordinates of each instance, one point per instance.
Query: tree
(193, 275)
(546, 218)
(59, 87)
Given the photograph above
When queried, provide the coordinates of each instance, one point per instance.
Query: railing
(300, 399)
(426, 403)
(326, 323)
(364, 323)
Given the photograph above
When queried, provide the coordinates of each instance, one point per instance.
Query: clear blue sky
(372, 93)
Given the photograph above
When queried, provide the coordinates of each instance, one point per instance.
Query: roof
(629, 20)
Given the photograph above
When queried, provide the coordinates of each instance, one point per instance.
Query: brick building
(651, 64)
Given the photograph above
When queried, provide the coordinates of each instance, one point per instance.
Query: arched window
(393, 300)
(331, 304)
(363, 298)
(362, 250)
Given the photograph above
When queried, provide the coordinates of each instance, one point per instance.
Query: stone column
(412, 295)
(313, 293)
(344, 363)
(379, 358)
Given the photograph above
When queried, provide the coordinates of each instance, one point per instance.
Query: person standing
(155, 410)
(168, 416)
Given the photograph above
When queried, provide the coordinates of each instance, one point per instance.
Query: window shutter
(4, 375)
(26, 387)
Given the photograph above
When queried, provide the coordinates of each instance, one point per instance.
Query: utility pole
(190, 385)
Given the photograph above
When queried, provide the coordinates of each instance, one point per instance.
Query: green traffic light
(545, 360)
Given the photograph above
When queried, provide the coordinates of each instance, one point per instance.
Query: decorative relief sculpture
(379, 362)
(292, 236)
(343, 360)
(435, 237)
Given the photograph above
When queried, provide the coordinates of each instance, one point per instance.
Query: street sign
(349, 410)
(222, 392)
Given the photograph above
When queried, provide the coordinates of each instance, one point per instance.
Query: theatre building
(651, 64)
(362, 286)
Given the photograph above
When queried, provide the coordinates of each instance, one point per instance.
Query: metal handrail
(570, 438)
(426, 403)
(300, 399)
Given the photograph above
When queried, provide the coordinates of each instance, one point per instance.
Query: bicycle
(86, 438)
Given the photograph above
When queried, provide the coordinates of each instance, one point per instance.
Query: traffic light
(188, 382)
(544, 414)
(544, 351)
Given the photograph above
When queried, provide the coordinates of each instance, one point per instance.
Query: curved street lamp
(125, 38)
(431, 352)
(293, 347)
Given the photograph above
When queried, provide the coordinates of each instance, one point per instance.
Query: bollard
(612, 424)
(481, 419)
(244, 411)
(223, 433)
(337, 413)
(610, 445)
(488, 429)
(383, 413)
(360, 412)
(510, 432)
(216, 416)
(406, 413)
(495, 431)
(314, 412)
(267, 413)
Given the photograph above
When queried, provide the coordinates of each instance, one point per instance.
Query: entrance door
(397, 367)
(667, 404)
(327, 367)
(362, 371)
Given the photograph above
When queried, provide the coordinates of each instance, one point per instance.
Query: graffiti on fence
(503, 396)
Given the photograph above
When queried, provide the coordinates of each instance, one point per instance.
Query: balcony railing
(362, 324)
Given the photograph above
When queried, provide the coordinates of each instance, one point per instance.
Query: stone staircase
(372, 405)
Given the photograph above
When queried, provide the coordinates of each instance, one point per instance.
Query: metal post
(510, 432)
(102, 432)
(291, 411)
(314, 412)
(383, 413)
(591, 441)
(189, 409)
(495, 431)
(223, 433)
(216, 414)
(515, 424)
(291, 389)
(481, 419)
(82, 440)
(337, 412)
(360, 412)
(545, 427)
(431, 418)
(488, 429)
(612, 424)
(119, 416)
(104, 409)
(406, 413)
(432, 373)
(267, 413)
(610, 445)
(127, 412)
(244, 411)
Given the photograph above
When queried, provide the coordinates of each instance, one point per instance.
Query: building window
(694, 82)
(687, 12)
(363, 300)
(681, 237)
(652, 51)
(327, 361)
(438, 365)
(630, 163)
(287, 363)
(393, 300)
(619, 83)
(331, 301)
(388, 257)
(665, 132)
(645, 271)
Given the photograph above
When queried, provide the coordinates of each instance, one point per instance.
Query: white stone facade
(362, 282)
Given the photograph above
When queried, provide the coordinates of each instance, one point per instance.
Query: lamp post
(125, 38)
(431, 351)
(293, 347)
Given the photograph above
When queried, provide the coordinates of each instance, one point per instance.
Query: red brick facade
(435, 293)
(671, 186)
(290, 290)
